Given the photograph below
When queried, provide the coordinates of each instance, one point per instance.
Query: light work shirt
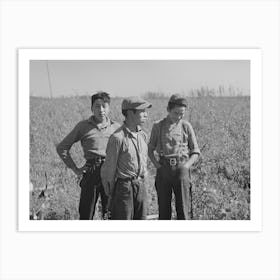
(93, 137)
(126, 155)
(169, 138)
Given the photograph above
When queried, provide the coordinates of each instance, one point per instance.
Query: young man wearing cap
(125, 167)
(93, 135)
(174, 141)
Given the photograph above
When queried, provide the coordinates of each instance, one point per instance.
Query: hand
(80, 171)
(107, 188)
(184, 168)
(158, 165)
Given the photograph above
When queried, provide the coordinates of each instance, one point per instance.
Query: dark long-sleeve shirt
(93, 138)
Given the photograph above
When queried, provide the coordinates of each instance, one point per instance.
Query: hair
(124, 112)
(172, 105)
(100, 95)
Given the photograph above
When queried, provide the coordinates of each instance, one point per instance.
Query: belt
(172, 161)
(94, 163)
(96, 160)
(127, 179)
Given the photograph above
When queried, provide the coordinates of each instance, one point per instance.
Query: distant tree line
(221, 91)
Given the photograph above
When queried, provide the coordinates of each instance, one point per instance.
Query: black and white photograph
(140, 139)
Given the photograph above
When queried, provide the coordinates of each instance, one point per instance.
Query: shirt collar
(93, 121)
(168, 121)
(129, 131)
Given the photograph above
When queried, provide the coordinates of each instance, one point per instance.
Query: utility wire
(49, 79)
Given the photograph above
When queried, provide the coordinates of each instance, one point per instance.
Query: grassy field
(220, 180)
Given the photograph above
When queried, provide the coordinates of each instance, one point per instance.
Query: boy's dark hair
(100, 95)
(178, 100)
(124, 112)
(172, 105)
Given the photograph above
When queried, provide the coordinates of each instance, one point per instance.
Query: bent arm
(193, 158)
(151, 154)
(152, 145)
(63, 148)
(109, 168)
(193, 147)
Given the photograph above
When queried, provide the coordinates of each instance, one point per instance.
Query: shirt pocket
(125, 146)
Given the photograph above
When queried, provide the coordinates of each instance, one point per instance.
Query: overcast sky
(124, 78)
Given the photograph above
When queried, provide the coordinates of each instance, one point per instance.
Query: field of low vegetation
(220, 179)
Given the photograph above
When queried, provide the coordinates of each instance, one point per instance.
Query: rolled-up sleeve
(192, 142)
(109, 167)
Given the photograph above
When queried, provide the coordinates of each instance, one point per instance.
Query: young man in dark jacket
(93, 135)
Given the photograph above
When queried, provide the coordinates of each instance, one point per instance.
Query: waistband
(94, 164)
(173, 156)
(95, 160)
(172, 161)
(127, 179)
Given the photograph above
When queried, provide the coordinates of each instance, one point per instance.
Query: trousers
(91, 188)
(129, 200)
(177, 181)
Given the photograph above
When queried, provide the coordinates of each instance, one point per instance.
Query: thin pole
(49, 79)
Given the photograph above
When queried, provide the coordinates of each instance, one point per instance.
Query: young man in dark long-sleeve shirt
(93, 135)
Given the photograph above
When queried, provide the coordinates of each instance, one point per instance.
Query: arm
(152, 157)
(193, 147)
(152, 146)
(108, 169)
(193, 158)
(63, 149)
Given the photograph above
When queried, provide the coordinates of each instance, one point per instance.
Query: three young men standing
(120, 177)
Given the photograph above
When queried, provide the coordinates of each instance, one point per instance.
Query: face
(100, 109)
(177, 113)
(139, 117)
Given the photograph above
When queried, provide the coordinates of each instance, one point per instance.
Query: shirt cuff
(195, 151)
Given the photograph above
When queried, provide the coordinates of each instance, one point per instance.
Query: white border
(24, 57)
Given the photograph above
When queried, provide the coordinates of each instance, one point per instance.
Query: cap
(178, 99)
(135, 102)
